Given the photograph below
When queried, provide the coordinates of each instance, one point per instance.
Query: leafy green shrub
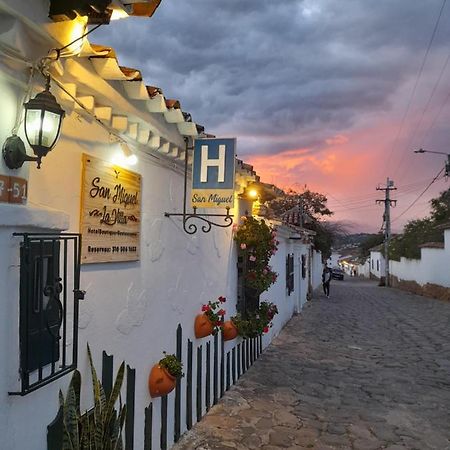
(173, 365)
(257, 322)
(257, 243)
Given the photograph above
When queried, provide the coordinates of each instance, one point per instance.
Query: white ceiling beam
(120, 123)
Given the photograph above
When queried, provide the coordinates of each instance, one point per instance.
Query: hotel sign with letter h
(213, 173)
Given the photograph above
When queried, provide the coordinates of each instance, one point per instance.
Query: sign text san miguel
(110, 212)
(213, 173)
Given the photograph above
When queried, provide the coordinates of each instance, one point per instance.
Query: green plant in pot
(99, 428)
(257, 243)
(163, 376)
(257, 322)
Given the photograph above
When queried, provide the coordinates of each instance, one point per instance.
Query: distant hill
(351, 240)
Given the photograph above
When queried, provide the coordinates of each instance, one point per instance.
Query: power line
(419, 122)
(413, 93)
(420, 195)
(433, 122)
(368, 202)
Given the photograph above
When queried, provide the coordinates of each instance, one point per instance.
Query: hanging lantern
(43, 120)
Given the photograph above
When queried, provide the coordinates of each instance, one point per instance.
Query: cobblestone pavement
(368, 368)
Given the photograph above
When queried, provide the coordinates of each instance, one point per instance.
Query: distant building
(377, 262)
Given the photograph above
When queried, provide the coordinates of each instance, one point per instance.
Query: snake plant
(99, 428)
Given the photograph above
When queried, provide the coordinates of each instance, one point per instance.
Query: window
(372, 263)
(290, 273)
(378, 264)
(49, 289)
(303, 266)
(248, 298)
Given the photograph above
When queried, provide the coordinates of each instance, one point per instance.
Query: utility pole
(387, 223)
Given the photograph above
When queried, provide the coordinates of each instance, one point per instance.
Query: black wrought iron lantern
(43, 120)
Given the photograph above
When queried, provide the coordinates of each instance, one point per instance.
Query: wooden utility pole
(387, 223)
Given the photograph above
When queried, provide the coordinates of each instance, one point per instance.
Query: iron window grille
(303, 266)
(48, 323)
(290, 273)
(248, 298)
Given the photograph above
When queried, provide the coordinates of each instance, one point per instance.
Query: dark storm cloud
(291, 72)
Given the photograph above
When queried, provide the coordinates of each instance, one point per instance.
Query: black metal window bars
(48, 325)
(290, 273)
(192, 228)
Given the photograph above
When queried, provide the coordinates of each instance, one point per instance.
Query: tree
(311, 208)
(420, 231)
(371, 241)
(440, 208)
(313, 204)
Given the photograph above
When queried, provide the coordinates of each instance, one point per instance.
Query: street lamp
(447, 163)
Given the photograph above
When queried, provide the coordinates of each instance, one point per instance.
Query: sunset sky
(332, 94)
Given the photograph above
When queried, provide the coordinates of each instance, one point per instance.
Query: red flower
(266, 329)
(222, 299)
(221, 312)
(205, 308)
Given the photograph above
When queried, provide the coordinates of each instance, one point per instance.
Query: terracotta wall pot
(203, 326)
(229, 330)
(160, 382)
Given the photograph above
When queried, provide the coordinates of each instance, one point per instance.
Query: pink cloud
(338, 139)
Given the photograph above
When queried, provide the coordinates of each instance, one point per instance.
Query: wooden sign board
(110, 212)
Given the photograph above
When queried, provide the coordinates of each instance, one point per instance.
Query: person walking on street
(326, 279)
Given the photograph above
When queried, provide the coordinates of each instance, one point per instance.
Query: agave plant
(97, 429)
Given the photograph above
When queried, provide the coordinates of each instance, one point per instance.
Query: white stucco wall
(131, 309)
(377, 264)
(363, 270)
(333, 260)
(433, 267)
(317, 269)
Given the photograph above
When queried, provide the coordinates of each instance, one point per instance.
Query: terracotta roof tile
(128, 72)
(170, 103)
(142, 9)
(153, 90)
(432, 245)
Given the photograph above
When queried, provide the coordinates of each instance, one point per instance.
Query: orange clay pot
(160, 382)
(229, 330)
(202, 326)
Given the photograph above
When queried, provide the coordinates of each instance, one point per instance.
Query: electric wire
(369, 201)
(433, 122)
(4, 50)
(413, 93)
(419, 122)
(419, 196)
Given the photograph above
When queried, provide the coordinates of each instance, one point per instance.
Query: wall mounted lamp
(251, 192)
(43, 120)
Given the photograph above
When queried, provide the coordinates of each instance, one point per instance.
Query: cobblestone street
(368, 368)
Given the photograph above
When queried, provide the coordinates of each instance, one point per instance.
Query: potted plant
(256, 244)
(256, 323)
(100, 428)
(163, 376)
(229, 330)
(211, 320)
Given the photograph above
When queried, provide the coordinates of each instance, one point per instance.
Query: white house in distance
(333, 260)
(377, 262)
(94, 248)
